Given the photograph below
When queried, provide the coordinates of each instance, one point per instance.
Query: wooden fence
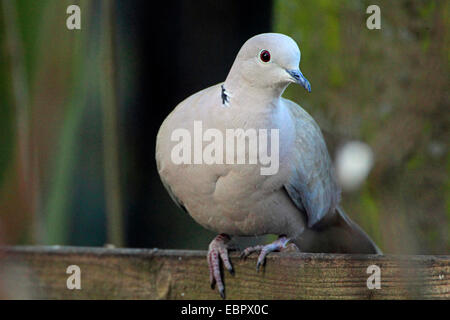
(109, 273)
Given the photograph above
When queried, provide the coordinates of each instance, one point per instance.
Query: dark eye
(264, 56)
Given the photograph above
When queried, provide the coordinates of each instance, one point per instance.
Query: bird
(298, 202)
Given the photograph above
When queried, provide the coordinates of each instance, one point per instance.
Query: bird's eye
(264, 56)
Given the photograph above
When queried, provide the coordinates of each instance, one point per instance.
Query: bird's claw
(218, 250)
(277, 245)
(259, 264)
(248, 251)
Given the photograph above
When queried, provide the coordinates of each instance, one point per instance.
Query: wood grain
(40, 272)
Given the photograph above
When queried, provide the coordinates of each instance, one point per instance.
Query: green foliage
(6, 112)
(387, 88)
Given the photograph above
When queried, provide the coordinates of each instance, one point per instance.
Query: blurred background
(80, 110)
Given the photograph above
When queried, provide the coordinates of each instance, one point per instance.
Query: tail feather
(338, 234)
(359, 233)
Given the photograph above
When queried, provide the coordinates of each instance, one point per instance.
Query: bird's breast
(236, 165)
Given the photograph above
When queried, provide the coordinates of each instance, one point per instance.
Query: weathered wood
(40, 272)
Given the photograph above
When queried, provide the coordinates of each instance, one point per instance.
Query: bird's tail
(337, 235)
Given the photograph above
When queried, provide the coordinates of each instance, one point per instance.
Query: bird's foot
(278, 245)
(218, 249)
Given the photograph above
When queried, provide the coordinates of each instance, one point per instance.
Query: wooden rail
(40, 272)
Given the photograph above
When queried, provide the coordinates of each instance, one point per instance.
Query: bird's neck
(236, 91)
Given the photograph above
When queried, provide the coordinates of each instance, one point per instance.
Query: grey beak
(299, 78)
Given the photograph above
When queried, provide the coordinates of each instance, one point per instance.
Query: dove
(298, 202)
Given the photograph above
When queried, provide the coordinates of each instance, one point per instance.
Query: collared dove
(299, 201)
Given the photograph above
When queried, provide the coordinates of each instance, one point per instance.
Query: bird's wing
(311, 184)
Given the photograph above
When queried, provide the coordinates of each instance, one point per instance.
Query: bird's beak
(299, 78)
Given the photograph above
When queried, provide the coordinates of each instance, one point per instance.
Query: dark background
(192, 46)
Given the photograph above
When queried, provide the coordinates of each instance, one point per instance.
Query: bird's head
(270, 60)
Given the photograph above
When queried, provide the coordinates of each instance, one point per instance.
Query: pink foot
(277, 245)
(219, 248)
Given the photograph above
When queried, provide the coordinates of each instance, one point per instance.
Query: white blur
(354, 160)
